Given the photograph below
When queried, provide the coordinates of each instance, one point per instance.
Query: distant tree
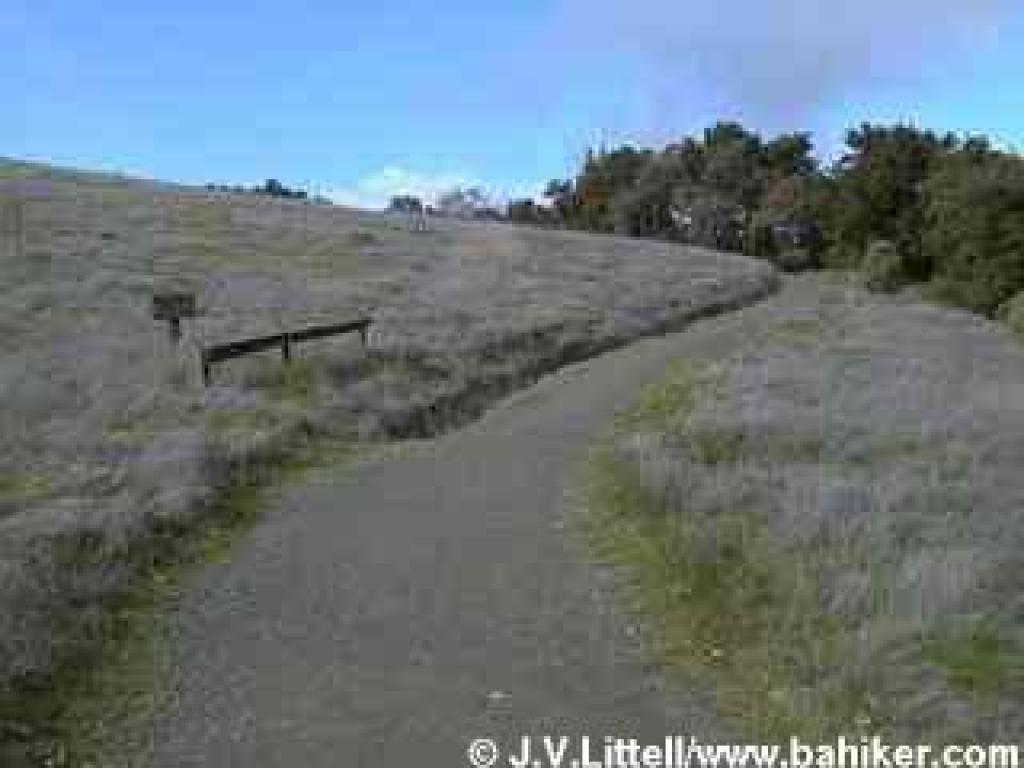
(645, 207)
(789, 155)
(406, 204)
(563, 200)
(529, 211)
(733, 164)
(488, 213)
(902, 203)
(274, 188)
(977, 146)
(605, 175)
(523, 211)
(703, 217)
(463, 201)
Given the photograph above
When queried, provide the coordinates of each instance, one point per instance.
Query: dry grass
(833, 520)
(111, 444)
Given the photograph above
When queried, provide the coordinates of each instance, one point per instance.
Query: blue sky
(365, 99)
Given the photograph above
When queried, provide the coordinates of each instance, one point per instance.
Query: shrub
(882, 266)
(974, 230)
(796, 259)
(1012, 313)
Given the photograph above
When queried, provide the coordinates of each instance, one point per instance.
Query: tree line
(269, 188)
(902, 204)
(460, 202)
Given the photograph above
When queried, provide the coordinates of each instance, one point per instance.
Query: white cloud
(375, 190)
(785, 58)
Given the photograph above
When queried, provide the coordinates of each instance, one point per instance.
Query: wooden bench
(217, 353)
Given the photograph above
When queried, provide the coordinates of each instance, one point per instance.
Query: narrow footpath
(389, 614)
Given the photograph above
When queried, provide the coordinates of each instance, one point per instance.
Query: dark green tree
(974, 227)
(406, 204)
(878, 189)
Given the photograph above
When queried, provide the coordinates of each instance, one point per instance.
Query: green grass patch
(23, 487)
(97, 707)
(718, 446)
(718, 597)
(204, 218)
(895, 448)
(977, 656)
(201, 251)
(361, 237)
(295, 381)
(805, 626)
(20, 171)
(667, 404)
(796, 331)
(249, 418)
(326, 258)
(712, 447)
(718, 590)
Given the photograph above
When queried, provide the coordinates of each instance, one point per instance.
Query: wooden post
(286, 348)
(172, 307)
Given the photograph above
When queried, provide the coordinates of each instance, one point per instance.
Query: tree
(406, 204)
(732, 164)
(605, 175)
(974, 227)
(563, 199)
(463, 201)
(789, 155)
(879, 183)
(524, 211)
(788, 226)
(274, 188)
(904, 203)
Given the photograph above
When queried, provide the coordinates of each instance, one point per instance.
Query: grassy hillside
(113, 448)
(829, 519)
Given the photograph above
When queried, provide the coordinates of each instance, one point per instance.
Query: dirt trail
(389, 614)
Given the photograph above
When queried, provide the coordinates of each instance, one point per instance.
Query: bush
(974, 235)
(796, 259)
(1012, 313)
(882, 266)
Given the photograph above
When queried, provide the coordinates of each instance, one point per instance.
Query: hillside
(113, 448)
(826, 515)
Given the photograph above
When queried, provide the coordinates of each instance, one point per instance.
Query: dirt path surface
(388, 615)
